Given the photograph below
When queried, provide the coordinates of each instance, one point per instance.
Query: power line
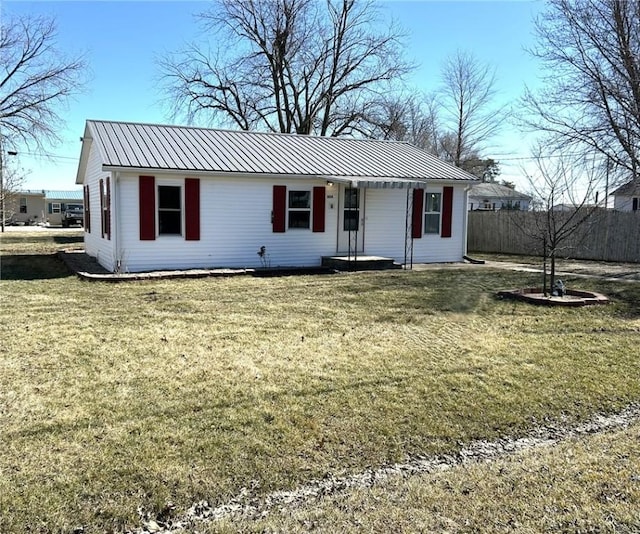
(47, 156)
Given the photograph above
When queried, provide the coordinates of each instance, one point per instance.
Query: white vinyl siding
(385, 222)
(100, 248)
(235, 221)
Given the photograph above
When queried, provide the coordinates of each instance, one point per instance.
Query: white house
(627, 196)
(172, 197)
(492, 196)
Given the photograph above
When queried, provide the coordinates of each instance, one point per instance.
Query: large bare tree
(410, 117)
(469, 115)
(590, 96)
(295, 66)
(36, 78)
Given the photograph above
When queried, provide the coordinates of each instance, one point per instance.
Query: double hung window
(432, 211)
(169, 210)
(299, 209)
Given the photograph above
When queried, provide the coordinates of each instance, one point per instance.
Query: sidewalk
(610, 272)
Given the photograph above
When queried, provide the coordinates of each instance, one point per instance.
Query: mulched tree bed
(571, 298)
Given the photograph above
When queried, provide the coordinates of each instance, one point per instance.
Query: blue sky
(123, 40)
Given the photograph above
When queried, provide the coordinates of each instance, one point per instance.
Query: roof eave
(353, 180)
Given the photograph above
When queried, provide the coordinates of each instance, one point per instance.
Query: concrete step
(359, 263)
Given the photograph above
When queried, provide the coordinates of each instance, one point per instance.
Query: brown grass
(119, 396)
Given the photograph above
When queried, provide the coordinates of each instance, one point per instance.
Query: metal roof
(63, 195)
(629, 189)
(152, 147)
(491, 190)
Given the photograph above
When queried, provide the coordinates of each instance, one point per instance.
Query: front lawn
(116, 396)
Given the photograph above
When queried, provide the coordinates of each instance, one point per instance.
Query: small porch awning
(362, 182)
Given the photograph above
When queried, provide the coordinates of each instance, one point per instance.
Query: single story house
(627, 196)
(57, 202)
(41, 206)
(492, 196)
(172, 197)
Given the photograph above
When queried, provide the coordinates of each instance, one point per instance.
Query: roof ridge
(254, 132)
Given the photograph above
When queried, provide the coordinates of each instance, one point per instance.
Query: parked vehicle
(73, 214)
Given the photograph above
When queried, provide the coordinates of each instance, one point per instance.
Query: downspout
(465, 219)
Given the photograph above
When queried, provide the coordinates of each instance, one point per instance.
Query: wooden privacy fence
(606, 235)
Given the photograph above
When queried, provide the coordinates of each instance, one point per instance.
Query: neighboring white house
(171, 197)
(493, 196)
(627, 196)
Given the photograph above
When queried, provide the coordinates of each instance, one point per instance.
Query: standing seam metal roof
(162, 147)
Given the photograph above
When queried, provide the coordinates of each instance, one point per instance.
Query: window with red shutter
(279, 213)
(107, 211)
(147, 207)
(318, 208)
(101, 207)
(192, 208)
(447, 211)
(416, 215)
(87, 209)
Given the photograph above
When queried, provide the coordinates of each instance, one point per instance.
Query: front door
(351, 221)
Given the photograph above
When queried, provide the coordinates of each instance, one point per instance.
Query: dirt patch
(249, 504)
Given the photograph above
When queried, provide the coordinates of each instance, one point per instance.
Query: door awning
(377, 183)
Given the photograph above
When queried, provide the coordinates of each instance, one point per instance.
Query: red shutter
(192, 208)
(107, 221)
(102, 207)
(279, 214)
(417, 214)
(147, 207)
(447, 211)
(87, 209)
(318, 208)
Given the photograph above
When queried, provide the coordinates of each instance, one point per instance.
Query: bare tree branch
(590, 99)
(35, 79)
(468, 114)
(295, 66)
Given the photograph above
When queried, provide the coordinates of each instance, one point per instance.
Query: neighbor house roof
(54, 195)
(491, 190)
(630, 189)
(152, 147)
(63, 195)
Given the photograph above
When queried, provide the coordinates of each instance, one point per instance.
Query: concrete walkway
(610, 272)
(88, 268)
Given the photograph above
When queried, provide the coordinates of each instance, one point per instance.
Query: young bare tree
(590, 100)
(468, 113)
(564, 188)
(294, 66)
(35, 80)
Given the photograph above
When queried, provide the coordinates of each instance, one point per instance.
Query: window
(635, 204)
(432, 213)
(105, 206)
(23, 204)
(299, 209)
(55, 207)
(351, 210)
(169, 210)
